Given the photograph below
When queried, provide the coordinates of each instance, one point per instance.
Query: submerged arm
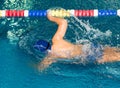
(46, 62)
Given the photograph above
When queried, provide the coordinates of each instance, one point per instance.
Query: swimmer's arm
(110, 55)
(62, 27)
(48, 60)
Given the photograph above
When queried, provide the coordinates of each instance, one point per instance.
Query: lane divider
(59, 13)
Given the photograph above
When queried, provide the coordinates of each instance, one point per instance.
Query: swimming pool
(17, 56)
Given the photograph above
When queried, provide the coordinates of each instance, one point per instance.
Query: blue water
(17, 57)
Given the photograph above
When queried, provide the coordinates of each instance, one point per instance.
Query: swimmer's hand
(57, 20)
(50, 17)
(45, 63)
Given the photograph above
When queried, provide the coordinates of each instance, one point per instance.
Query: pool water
(17, 57)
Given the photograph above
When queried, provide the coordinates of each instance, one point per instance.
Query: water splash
(84, 32)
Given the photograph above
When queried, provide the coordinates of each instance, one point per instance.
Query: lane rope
(59, 13)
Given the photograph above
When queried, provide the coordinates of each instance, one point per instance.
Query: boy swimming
(62, 49)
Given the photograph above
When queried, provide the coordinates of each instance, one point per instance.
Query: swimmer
(62, 49)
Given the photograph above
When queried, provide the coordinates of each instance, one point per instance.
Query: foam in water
(17, 4)
(87, 31)
(14, 25)
(13, 35)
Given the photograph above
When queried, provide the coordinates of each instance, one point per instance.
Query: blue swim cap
(42, 45)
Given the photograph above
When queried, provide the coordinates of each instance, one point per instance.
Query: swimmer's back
(64, 49)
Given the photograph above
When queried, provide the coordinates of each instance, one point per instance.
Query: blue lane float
(107, 13)
(38, 13)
